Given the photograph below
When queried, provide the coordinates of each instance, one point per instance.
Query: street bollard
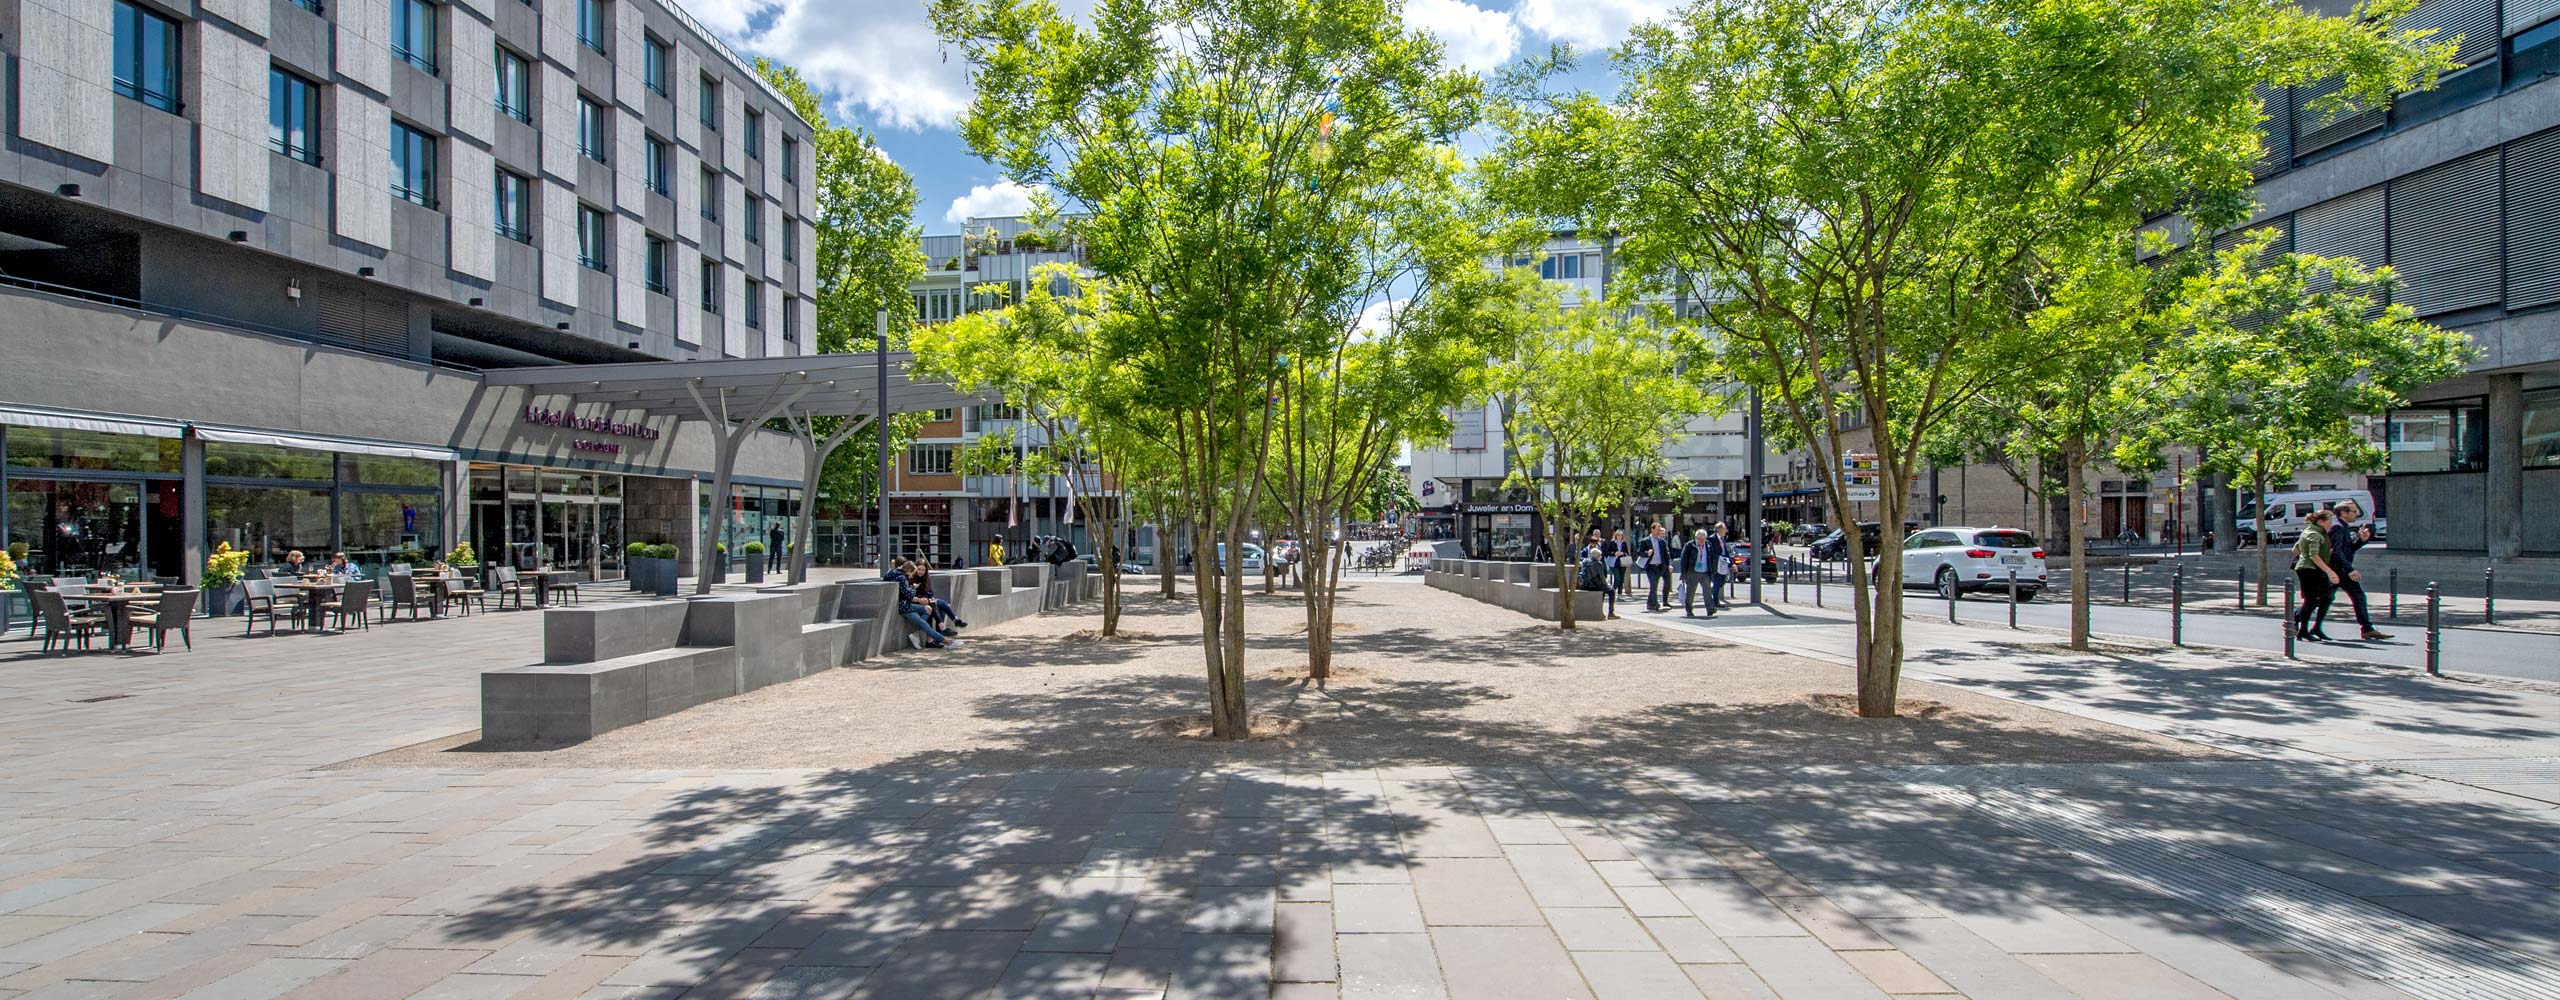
(1817, 586)
(2288, 621)
(2128, 585)
(2244, 588)
(2178, 607)
(2435, 633)
(1787, 577)
(2489, 596)
(1951, 605)
(2013, 598)
(2395, 593)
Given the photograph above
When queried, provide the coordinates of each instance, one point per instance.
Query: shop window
(47, 448)
(268, 522)
(230, 460)
(388, 470)
(2443, 438)
(2542, 429)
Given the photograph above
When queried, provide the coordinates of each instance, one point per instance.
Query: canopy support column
(813, 458)
(726, 441)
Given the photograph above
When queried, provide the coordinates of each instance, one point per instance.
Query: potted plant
(755, 561)
(720, 562)
(636, 565)
(221, 580)
(663, 572)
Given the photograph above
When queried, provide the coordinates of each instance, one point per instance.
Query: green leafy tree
(1221, 156)
(1587, 396)
(2280, 353)
(1861, 185)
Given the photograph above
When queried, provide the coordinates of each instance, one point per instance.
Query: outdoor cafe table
(119, 632)
(312, 594)
(433, 585)
(542, 583)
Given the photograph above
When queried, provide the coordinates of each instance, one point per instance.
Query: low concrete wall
(1493, 583)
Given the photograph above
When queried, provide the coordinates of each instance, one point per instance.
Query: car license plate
(2013, 560)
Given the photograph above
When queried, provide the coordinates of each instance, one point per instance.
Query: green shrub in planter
(755, 561)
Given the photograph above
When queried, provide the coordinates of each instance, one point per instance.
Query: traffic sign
(1857, 493)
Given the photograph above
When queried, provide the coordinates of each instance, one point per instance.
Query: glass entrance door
(569, 534)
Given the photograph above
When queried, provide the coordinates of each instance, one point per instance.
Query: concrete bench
(555, 702)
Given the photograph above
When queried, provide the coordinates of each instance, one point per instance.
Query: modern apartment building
(254, 252)
(2458, 189)
(937, 510)
(1460, 483)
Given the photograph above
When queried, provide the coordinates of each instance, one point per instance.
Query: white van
(2288, 512)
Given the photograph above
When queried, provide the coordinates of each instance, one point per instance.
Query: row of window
(2496, 57)
(595, 246)
(2454, 437)
(148, 54)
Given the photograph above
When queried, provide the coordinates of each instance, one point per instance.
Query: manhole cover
(100, 698)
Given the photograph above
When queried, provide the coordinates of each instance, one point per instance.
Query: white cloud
(877, 61)
(1375, 319)
(1588, 24)
(990, 201)
(1477, 39)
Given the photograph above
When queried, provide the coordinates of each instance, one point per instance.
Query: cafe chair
(258, 597)
(404, 594)
(508, 584)
(354, 604)
(63, 625)
(464, 595)
(564, 587)
(174, 612)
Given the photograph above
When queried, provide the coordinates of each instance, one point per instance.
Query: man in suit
(1656, 554)
(1700, 561)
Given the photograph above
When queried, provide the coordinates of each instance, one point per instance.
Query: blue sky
(879, 66)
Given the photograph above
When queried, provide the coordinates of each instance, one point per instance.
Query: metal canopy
(842, 385)
(739, 394)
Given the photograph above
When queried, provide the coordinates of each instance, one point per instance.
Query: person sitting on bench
(921, 576)
(914, 609)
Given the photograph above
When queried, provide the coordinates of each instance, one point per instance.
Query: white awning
(31, 416)
(243, 435)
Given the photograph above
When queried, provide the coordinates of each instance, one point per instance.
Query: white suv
(1955, 560)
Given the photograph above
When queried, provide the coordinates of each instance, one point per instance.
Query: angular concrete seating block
(686, 676)
(951, 584)
(1518, 572)
(991, 579)
(763, 627)
(1542, 575)
(825, 645)
(873, 599)
(556, 702)
(1033, 576)
(604, 632)
(817, 600)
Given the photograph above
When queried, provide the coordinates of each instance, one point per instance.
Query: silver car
(1956, 560)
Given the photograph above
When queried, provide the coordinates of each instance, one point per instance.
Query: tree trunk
(1317, 582)
(1878, 603)
(1106, 550)
(1164, 559)
(2074, 484)
(1237, 723)
(1209, 588)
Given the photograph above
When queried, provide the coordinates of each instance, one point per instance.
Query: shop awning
(314, 442)
(64, 420)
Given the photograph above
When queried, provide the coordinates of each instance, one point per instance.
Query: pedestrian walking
(1619, 556)
(2319, 579)
(1726, 571)
(1655, 557)
(2345, 537)
(1699, 562)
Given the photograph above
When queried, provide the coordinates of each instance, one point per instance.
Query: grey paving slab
(1376, 909)
(1303, 943)
(1599, 929)
(1634, 975)
(1506, 961)
(1732, 908)
(1400, 966)
(1804, 969)
(1473, 891)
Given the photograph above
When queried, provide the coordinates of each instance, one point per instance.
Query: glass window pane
(2449, 438)
(66, 527)
(385, 470)
(378, 529)
(46, 448)
(267, 523)
(261, 461)
(2542, 429)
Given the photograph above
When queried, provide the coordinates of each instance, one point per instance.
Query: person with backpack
(1594, 575)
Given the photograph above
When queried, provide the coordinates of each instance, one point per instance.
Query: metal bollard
(2489, 596)
(2435, 633)
(2013, 598)
(2178, 607)
(1818, 574)
(2288, 621)
(1786, 577)
(2128, 585)
(2244, 588)
(1951, 605)
(2395, 593)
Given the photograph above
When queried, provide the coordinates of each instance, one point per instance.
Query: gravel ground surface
(1430, 678)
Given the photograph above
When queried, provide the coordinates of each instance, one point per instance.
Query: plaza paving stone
(204, 836)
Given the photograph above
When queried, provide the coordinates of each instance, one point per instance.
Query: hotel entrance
(528, 517)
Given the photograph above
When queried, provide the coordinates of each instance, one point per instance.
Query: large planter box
(225, 602)
(719, 567)
(755, 567)
(662, 575)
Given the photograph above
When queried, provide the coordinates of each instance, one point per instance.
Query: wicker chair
(508, 584)
(404, 594)
(63, 625)
(354, 604)
(464, 595)
(258, 597)
(175, 610)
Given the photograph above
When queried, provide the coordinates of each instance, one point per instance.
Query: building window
(710, 104)
(790, 159)
(754, 305)
(662, 258)
(754, 222)
(595, 240)
(147, 57)
(293, 116)
(710, 286)
(929, 459)
(515, 206)
(309, 5)
(790, 239)
(594, 133)
(2448, 437)
(591, 24)
(653, 65)
(2533, 54)
(515, 86)
(711, 194)
(754, 139)
(654, 166)
(413, 33)
(2542, 429)
(790, 322)
(413, 165)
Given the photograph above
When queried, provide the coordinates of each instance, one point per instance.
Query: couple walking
(2324, 560)
(1703, 564)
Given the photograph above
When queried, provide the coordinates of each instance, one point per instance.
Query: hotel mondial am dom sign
(535, 413)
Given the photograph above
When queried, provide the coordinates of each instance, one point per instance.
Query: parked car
(1808, 531)
(2286, 513)
(1954, 561)
(1252, 558)
(1742, 560)
(1836, 544)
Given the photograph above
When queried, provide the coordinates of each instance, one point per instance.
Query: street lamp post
(880, 436)
(1751, 485)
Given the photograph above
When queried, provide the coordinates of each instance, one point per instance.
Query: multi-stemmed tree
(1223, 159)
(1864, 184)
